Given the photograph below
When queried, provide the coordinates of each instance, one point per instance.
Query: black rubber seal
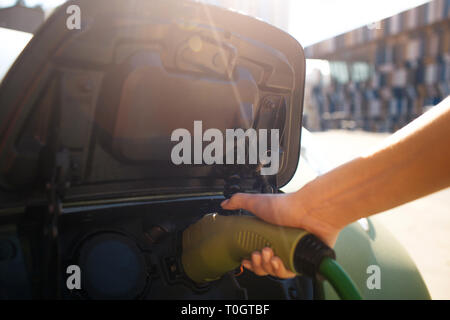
(309, 253)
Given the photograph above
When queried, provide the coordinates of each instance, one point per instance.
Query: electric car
(86, 178)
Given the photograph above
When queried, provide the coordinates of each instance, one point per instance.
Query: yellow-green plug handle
(217, 244)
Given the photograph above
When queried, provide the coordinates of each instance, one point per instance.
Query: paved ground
(422, 226)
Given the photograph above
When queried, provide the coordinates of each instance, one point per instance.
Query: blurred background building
(381, 76)
(22, 18)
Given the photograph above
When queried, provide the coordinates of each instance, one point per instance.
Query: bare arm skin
(412, 163)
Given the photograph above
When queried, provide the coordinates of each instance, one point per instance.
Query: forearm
(412, 163)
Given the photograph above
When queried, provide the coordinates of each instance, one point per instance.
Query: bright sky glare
(44, 3)
(316, 20)
(16, 40)
(312, 21)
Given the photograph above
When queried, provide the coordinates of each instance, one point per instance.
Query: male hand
(283, 210)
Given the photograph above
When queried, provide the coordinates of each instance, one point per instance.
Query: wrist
(314, 216)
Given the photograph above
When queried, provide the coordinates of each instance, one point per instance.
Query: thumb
(273, 208)
(239, 201)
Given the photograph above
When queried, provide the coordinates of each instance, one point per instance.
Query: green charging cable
(339, 280)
